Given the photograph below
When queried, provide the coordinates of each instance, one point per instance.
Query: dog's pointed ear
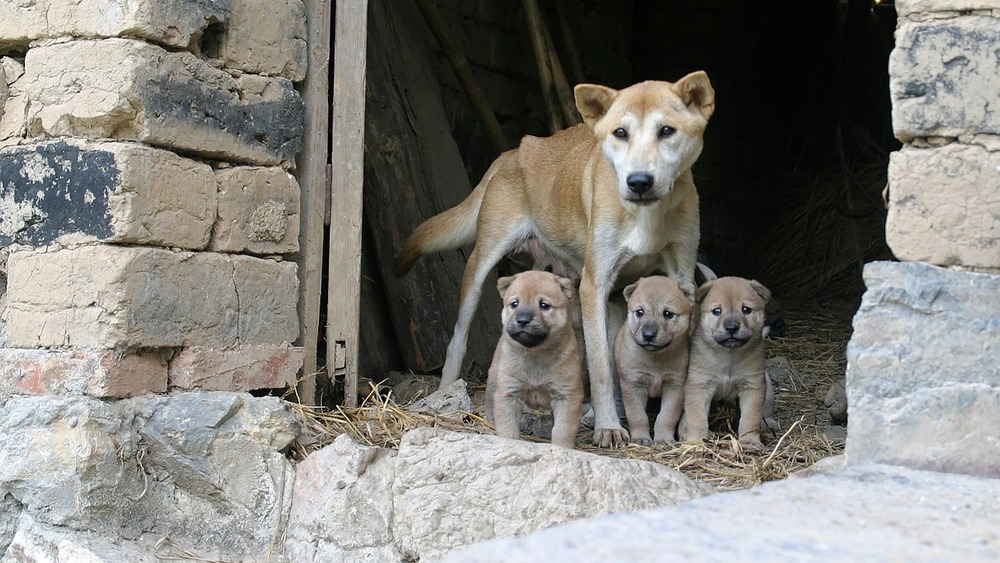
(697, 93)
(702, 291)
(762, 291)
(593, 101)
(629, 290)
(567, 287)
(503, 284)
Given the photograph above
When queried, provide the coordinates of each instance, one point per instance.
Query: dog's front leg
(752, 397)
(671, 406)
(595, 289)
(507, 412)
(697, 401)
(566, 414)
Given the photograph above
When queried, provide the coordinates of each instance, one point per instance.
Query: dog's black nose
(731, 327)
(523, 318)
(639, 182)
(648, 335)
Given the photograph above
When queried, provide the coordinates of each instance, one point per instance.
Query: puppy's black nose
(731, 327)
(648, 335)
(639, 182)
(523, 318)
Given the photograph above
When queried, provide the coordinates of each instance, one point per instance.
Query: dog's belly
(537, 397)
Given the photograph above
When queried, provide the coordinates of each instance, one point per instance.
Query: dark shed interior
(790, 179)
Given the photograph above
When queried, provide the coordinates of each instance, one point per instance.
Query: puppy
(537, 360)
(651, 355)
(727, 357)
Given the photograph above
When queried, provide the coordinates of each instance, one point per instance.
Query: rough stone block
(255, 36)
(945, 205)
(906, 8)
(943, 78)
(129, 90)
(258, 211)
(111, 297)
(923, 380)
(12, 102)
(99, 373)
(241, 369)
(114, 192)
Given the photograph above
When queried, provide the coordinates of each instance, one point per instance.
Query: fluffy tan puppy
(651, 356)
(727, 357)
(537, 360)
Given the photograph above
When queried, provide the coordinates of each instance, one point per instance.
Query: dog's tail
(448, 230)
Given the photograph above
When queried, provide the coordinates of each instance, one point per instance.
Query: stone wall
(147, 196)
(923, 380)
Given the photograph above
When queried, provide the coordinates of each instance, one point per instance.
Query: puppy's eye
(668, 314)
(639, 313)
(544, 305)
(514, 303)
(717, 311)
(620, 133)
(667, 131)
(747, 310)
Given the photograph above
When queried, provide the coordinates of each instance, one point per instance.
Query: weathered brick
(115, 192)
(111, 297)
(923, 380)
(241, 369)
(910, 7)
(99, 373)
(945, 205)
(944, 79)
(258, 211)
(129, 90)
(256, 36)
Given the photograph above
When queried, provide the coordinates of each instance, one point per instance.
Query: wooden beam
(312, 177)
(347, 125)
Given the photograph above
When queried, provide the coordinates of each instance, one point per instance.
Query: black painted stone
(66, 187)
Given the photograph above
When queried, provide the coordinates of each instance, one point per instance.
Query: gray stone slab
(863, 513)
(923, 370)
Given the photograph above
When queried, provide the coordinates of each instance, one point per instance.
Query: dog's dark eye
(514, 303)
(620, 133)
(717, 311)
(747, 310)
(639, 313)
(544, 305)
(668, 314)
(666, 131)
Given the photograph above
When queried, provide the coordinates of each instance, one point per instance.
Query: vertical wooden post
(347, 124)
(313, 183)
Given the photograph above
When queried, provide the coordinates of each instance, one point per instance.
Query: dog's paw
(664, 442)
(641, 440)
(751, 444)
(610, 437)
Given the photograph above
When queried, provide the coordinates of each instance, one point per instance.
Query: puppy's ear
(629, 290)
(702, 291)
(697, 93)
(503, 284)
(762, 291)
(567, 287)
(593, 101)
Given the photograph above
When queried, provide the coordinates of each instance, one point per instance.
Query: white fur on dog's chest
(650, 233)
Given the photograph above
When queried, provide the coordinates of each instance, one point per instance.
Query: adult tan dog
(537, 360)
(727, 357)
(611, 199)
(651, 356)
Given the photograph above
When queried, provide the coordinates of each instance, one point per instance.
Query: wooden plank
(312, 166)
(347, 124)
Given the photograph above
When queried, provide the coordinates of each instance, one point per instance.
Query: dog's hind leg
(484, 256)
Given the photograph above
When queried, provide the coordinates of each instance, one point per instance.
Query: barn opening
(790, 179)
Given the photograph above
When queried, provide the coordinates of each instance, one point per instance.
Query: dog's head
(731, 311)
(536, 304)
(650, 132)
(659, 313)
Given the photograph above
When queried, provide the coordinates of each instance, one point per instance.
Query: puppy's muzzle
(648, 341)
(525, 331)
(729, 337)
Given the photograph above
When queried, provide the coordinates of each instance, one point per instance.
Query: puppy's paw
(664, 441)
(751, 444)
(610, 437)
